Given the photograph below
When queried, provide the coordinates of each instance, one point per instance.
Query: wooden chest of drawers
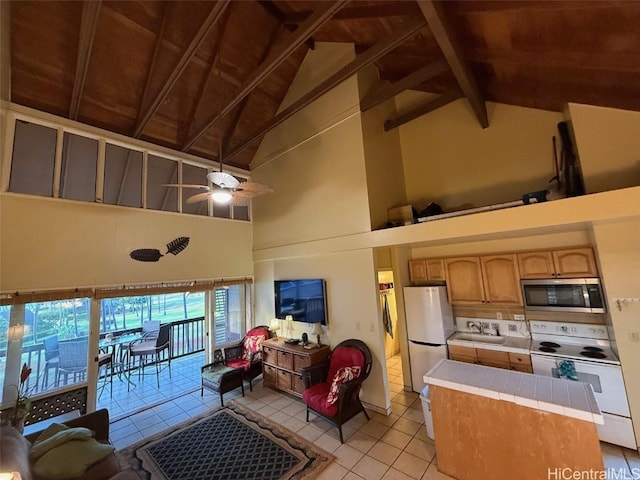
(282, 363)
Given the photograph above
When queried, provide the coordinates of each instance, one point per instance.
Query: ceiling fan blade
(223, 179)
(185, 185)
(199, 197)
(253, 189)
(239, 201)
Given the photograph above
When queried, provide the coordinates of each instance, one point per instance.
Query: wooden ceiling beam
(313, 23)
(216, 11)
(272, 9)
(444, 35)
(423, 109)
(154, 59)
(89, 22)
(375, 52)
(381, 10)
(204, 86)
(377, 97)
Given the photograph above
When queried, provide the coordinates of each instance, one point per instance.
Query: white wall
(619, 260)
(314, 161)
(608, 144)
(51, 243)
(450, 160)
(385, 174)
(352, 304)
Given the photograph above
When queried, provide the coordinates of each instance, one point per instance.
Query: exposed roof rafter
(367, 58)
(215, 13)
(305, 30)
(89, 22)
(444, 35)
(423, 109)
(376, 97)
(381, 10)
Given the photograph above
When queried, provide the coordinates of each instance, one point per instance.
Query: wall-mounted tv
(304, 300)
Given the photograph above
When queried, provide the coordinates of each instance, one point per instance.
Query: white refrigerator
(429, 324)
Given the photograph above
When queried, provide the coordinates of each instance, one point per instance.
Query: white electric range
(589, 348)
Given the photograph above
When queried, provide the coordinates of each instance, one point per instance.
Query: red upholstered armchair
(248, 353)
(332, 389)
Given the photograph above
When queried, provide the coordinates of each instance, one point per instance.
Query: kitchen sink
(478, 337)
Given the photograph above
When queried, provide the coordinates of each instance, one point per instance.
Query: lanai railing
(187, 337)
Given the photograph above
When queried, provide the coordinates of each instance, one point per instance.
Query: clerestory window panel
(32, 166)
(79, 166)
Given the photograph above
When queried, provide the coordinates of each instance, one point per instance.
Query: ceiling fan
(225, 188)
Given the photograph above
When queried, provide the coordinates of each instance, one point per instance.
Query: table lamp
(317, 330)
(274, 327)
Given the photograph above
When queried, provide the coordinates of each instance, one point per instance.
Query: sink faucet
(479, 326)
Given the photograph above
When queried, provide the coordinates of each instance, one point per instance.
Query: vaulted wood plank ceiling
(191, 74)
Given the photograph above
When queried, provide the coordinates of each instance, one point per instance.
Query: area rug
(230, 443)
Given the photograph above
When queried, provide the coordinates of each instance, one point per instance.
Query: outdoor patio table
(117, 343)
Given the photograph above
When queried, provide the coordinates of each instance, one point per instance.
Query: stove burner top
(549, 344)
(593, 349)
(548, 349)
(591, 354)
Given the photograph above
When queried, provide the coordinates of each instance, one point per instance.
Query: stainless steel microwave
(564, 295)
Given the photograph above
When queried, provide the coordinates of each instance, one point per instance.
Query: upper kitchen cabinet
(566, 263)
(429, 270)
(490, 279)
(464, 280)
(501, 279)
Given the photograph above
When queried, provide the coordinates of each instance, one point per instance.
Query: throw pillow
(252, 343)
(51, 452)
(344, 374)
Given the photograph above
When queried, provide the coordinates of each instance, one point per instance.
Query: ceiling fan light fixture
(221, 196)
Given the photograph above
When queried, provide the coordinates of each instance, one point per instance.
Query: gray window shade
(241, 212)
(195, 176)
(34, 152)
(162, 171)
(122, 176)
(79, 165)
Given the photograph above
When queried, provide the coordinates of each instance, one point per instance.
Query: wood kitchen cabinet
(493, 279)
(491, 358)
(520, 362)
(282, 364)
(426, 270)
(463, 354)
(501, 278)
(565, 263)
(464, 280)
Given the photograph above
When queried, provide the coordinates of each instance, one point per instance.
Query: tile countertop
(511, 344)
(554, 395)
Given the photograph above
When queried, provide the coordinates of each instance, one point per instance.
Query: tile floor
(386, 447)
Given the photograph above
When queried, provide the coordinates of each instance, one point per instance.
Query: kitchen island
(500, 424)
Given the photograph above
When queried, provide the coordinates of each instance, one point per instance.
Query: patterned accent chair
(248, 353)
(220, 378)
(332, 388)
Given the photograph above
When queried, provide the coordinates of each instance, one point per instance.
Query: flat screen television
(304, 300)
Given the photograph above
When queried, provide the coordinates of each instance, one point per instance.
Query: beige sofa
(15, 450)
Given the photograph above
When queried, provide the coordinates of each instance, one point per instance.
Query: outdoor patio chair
(248, 353)
(73, 359)
(332, 388)
(51, 358)
(158, 349)
(106, 360)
